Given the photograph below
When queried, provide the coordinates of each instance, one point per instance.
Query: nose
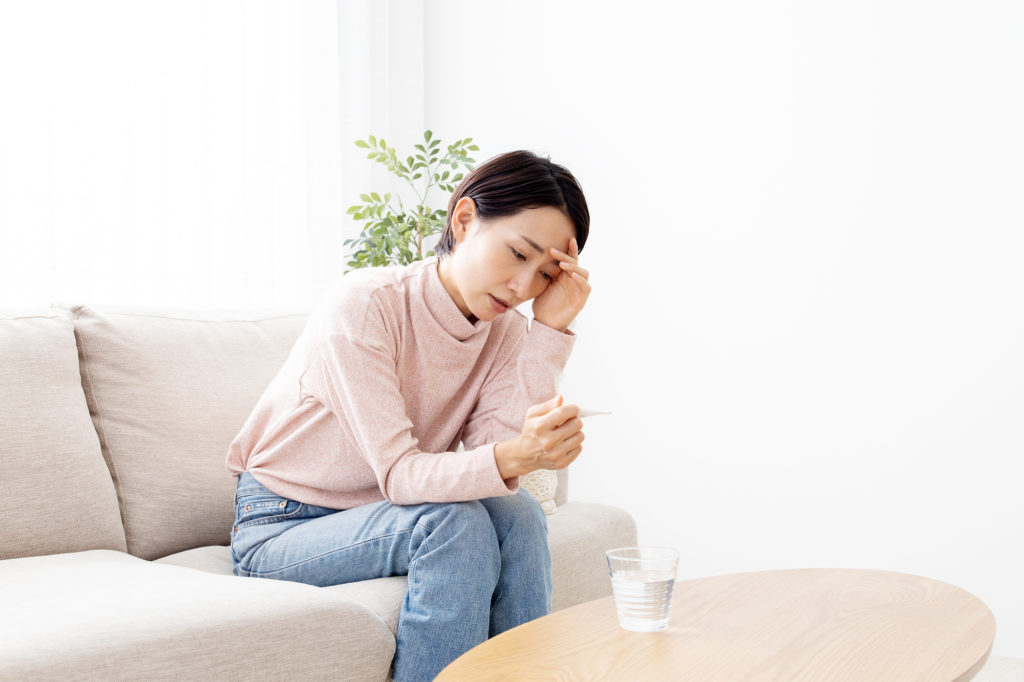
(519, 285)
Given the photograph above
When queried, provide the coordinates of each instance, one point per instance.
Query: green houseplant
(395, 235)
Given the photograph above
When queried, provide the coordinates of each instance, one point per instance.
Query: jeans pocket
(255, 510)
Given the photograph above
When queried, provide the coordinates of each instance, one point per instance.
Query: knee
(535, 512)
(464, 518)
(466, 528)
(528, 521)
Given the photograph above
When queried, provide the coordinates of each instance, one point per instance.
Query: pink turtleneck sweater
(385, 380)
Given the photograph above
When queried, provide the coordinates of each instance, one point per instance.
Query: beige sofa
(115, 510)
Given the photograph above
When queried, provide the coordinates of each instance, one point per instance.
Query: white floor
(1001, 669)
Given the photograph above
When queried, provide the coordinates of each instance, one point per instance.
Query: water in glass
(643, 599)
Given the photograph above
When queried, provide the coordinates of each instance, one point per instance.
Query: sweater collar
(443, 308)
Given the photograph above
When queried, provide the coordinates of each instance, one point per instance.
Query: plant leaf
(389, 236)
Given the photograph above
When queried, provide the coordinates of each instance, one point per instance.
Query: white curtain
(183, 153)
(382, 89)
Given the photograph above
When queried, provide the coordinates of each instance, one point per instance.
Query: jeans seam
(262, 574)
(420, 523)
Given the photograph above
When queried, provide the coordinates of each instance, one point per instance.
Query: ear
(462, 218)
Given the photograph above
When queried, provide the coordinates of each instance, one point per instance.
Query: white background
(808, 225)
(807, 249)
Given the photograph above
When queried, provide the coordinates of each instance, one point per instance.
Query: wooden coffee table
(805, 624)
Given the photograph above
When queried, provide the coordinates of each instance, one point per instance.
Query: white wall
(806, 255)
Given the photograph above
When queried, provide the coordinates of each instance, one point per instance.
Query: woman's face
(500, 263)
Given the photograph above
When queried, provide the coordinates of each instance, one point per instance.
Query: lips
(499, 305)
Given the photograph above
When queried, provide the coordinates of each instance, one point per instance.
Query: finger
(574, 267)
(562, 255)
(558, 416)
(556, 452)
(573, 441)
(569, 427)
(568, 458)
(574, 248)
(575, 283)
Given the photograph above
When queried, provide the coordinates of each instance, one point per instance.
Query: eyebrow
(537, 246)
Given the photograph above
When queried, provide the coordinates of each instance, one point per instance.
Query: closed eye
(520, 256)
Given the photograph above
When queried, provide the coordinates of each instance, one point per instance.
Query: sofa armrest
(579, 533)
(562, 490)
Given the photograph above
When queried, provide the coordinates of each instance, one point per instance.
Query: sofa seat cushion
(108, 615)
(382, 596)
(55, 491)
(578, 536)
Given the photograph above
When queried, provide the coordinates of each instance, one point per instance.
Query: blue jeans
(475, 568)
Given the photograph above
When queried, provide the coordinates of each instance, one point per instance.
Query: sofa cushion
(382, 596)
(57, 495)
(168, 391)
(542, 484)
(105, 615)
(579, 535)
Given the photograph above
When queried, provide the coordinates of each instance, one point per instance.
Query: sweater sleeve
(529, 376)
(356, 379)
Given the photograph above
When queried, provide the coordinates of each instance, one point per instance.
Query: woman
(347, 467)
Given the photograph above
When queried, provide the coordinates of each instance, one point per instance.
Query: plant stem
(422, 205)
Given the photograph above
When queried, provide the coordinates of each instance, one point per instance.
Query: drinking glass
(642, 579)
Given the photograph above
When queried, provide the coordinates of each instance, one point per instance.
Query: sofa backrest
(168, 391)
(116, 439)
(55, 491)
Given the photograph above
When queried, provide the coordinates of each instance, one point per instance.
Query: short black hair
(516, 181)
